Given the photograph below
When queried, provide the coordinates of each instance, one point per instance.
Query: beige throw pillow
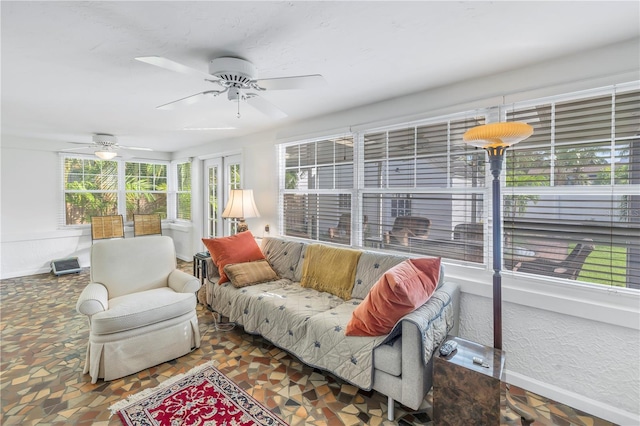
(250, 273)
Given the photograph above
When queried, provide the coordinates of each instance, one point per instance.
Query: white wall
(32, 211)
(557, 337)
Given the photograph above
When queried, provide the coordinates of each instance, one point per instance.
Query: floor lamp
(495, 138)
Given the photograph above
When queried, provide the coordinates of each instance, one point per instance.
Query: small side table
(465, 393)
(200, 265)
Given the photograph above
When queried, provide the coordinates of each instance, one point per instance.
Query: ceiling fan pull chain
(238, 105)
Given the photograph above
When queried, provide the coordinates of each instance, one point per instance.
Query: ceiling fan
(236, 78)
(106, 146)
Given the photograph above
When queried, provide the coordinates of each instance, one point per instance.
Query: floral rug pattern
(203, 396)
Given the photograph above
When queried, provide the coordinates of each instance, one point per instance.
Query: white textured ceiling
(68, 68)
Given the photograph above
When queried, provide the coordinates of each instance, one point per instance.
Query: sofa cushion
(141, 309)
(330, 269)
(388, 357)
(238, 248)
(250, 273)
(284, 256)
(399, 291)
(371, 266)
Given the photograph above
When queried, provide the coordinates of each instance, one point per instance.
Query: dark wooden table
(465, 393)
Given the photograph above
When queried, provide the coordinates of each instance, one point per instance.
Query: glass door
(221, 174)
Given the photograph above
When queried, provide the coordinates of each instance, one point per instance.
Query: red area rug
(203, 396)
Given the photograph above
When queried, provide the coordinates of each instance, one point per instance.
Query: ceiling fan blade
(265, 107)
(189, 100)
(135, 148)
(298, 82)
(170, 65)
(77, 149)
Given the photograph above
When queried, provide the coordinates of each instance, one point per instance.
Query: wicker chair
(146, 224)
(107, 227)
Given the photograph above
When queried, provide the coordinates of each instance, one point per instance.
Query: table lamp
(240, 206)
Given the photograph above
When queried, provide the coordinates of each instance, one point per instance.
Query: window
(401, 206)
(234, 181)
(570, 200)
(183, 191)
(94, 187)
(421, 183)
(317, 188)
(146, 189)
(90, 189)
(573, 189)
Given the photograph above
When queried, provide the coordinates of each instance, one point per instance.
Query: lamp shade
(240, 205)
(105, 154)
(497, 134)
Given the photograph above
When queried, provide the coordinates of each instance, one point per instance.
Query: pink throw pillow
(237, 248)
(398, 292)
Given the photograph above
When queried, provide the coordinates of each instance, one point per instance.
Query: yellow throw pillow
(250, 273)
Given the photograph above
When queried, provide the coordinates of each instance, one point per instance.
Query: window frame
(560, 191)
(496, 112)
(318, 227)
(173, 202)
(121, 191)
(167, 178)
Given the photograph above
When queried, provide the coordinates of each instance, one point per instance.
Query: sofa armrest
(416, 377)
(93, 299)
(213, 274)
(182, 282)
(422, 332)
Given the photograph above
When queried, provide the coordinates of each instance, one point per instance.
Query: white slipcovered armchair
(141, 309)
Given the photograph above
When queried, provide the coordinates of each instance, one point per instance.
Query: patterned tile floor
(43, 350)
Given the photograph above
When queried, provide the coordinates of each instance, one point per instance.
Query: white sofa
(310, 324)
(141, 309)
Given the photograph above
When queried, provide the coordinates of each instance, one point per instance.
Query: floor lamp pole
(496, 138)
(496, 154)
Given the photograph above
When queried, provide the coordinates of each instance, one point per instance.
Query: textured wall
(562, 350)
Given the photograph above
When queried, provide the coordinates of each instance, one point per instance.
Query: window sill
(181, 226)
(612, 305)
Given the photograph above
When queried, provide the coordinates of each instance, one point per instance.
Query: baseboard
(574, 400)
(24, 273)
(184, 257)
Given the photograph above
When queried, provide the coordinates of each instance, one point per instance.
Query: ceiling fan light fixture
(105, 154)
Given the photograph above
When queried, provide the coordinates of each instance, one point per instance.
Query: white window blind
(424, 190)
(571, 196)
(317, 189)
(572, 200)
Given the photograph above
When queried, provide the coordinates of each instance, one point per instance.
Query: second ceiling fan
(236, 78)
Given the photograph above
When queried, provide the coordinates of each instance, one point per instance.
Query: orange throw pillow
(237, 248)
(398, 292)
